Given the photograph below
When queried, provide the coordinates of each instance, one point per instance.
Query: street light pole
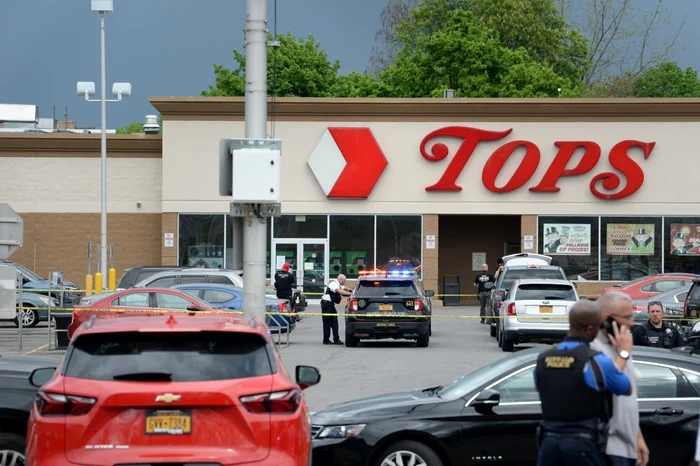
(103, 148)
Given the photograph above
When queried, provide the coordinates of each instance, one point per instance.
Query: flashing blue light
(402, 273)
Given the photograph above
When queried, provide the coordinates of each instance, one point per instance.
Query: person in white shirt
(332, 296)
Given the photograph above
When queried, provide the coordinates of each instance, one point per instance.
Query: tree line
(489, 48)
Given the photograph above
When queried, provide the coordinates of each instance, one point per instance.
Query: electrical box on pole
(11, 231)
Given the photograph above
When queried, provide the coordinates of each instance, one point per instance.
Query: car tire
(492, 330)
(350, 341)
(507, 344)
(423, 340)
(430, 329)
(408, 448)
(14, 445)
(499, 337)
(33, 314)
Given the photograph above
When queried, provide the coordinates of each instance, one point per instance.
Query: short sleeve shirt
(624, 424)
(333, 286)
(482, 278)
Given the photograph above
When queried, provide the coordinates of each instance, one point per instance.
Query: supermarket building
(603, 186)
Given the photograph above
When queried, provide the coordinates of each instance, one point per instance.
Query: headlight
(45, 300)
(341, 431)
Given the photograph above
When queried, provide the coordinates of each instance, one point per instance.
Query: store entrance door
(309, 262)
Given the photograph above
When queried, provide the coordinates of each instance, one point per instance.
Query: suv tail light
(76, 315)
(285, 402)
(55, 404)
(418, 305)
(353, 305)
(511, 310)
(283, 307)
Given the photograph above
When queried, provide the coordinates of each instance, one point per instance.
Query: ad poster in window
(685, 239)
(567, 239)
(630, 239)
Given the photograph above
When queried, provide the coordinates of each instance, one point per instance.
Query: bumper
(380, 329)
(522, 335)
(339, 452)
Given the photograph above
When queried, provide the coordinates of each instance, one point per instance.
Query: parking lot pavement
(457, 347)
(35, 340)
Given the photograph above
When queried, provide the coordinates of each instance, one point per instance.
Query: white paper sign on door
(280, 262)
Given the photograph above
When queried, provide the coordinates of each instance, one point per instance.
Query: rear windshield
(371, 288)
(545, 291)
(521, 274)
(695, 293)
(188, 357)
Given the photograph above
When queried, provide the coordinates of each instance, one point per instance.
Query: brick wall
(169, 225)
(58, 242)
(431, 226)
(63, 124)
(528, 226)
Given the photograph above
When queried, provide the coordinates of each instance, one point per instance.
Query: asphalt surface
(457, 347)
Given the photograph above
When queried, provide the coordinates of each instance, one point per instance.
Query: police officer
(576, 385)
(284, 282)
(655, 332)
(484, 293)
(333, 295)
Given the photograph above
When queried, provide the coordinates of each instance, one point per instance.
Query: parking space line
(38, 348)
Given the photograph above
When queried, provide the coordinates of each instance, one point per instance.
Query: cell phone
(607, 325)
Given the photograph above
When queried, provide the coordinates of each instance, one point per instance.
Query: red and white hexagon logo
(347, 162)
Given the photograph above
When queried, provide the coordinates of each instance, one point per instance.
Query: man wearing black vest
(333, 295)
(576, 385)
(655, 332)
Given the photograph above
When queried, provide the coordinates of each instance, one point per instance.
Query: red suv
(172, 389)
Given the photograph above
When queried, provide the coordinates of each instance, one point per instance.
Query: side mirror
(486, 400)
(499, 297)
(429, 293)
(193, 307)
(42, 375)
(307, 376)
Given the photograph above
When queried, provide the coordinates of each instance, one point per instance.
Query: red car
(172, 389)
(651, 285)
(136, 300)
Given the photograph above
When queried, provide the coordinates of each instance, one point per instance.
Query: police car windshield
(376, 288)
(545, 291)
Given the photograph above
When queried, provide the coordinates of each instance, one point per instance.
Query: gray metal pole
(254, 231)
(103, 211)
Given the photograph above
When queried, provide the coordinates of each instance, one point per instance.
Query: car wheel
(409, 452)
(424, 340)
(12, 450)
(430, 329)
(499, 337)
(350, 341)
(507, 343)
(30, 317)
(492, 330)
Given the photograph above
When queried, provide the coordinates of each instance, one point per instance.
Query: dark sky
(167, 47)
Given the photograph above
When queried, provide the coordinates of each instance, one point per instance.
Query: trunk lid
(196, 415)
(544, 302)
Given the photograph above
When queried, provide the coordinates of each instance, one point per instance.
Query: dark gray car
(672, 301)
(20, 377)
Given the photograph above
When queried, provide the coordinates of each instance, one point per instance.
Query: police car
(389, 304)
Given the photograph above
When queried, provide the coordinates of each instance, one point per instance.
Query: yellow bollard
(98, 283)
(112, 279)
(88, 285)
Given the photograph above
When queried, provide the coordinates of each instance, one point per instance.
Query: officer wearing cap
(284, 282)
(655, 332)
(576, 385)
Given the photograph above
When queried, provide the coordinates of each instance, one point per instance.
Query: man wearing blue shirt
(576, 385)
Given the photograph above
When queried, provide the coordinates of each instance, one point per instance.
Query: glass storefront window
(351, 245)
(572, 243)
(681, 244)
(201, 241)
(229, 244)
(630, 247)
(399, 238)
(301, 226)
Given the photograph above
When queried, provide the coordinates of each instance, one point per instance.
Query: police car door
(503, 433)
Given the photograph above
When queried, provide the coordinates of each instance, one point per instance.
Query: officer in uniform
(284, 282)
(333, 295)
(655, 332)
(576, 385)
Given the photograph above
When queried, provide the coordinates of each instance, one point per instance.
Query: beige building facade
(604, 186)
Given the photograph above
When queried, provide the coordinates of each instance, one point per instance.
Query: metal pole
(254, 231)
(20, 282)
(103, 211)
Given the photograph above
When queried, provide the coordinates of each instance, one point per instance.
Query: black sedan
(490, 417)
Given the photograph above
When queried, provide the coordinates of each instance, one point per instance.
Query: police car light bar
(390, 273)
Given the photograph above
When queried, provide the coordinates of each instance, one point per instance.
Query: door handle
(668, 411)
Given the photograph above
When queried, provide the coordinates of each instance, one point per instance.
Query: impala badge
(168, 398)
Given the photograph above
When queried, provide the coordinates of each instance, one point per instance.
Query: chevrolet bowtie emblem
(168, 398)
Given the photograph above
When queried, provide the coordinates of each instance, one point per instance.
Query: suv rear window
(521, 274)
(378, 288)
(541, 291)
(695, 292)
(189, 357)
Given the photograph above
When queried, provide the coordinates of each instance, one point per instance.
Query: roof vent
(151, 125)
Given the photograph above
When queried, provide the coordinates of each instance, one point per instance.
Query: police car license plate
(386, 307)
(546, 309)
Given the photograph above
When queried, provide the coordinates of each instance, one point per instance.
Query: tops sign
(558, 168)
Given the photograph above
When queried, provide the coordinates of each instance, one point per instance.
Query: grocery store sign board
(11, 231)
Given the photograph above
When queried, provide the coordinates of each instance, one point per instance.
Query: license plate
(546, 309)
(386, 307)
(386, 325)
(168, 422)
(693, 313)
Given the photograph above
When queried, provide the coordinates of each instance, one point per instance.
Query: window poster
(567, 239)
(685, 239)
(630, 239)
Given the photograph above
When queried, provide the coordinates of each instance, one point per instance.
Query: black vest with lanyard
(659, 337)
(335, 296)
(570, 407)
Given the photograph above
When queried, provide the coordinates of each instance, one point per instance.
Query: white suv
(535, 311)
(169, 278)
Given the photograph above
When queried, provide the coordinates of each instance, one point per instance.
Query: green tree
(465, 56)
(668, 80)
(297, 68)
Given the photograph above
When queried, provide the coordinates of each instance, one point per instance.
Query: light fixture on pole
(102, 7)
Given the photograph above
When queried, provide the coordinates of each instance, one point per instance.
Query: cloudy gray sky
(167, 47)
